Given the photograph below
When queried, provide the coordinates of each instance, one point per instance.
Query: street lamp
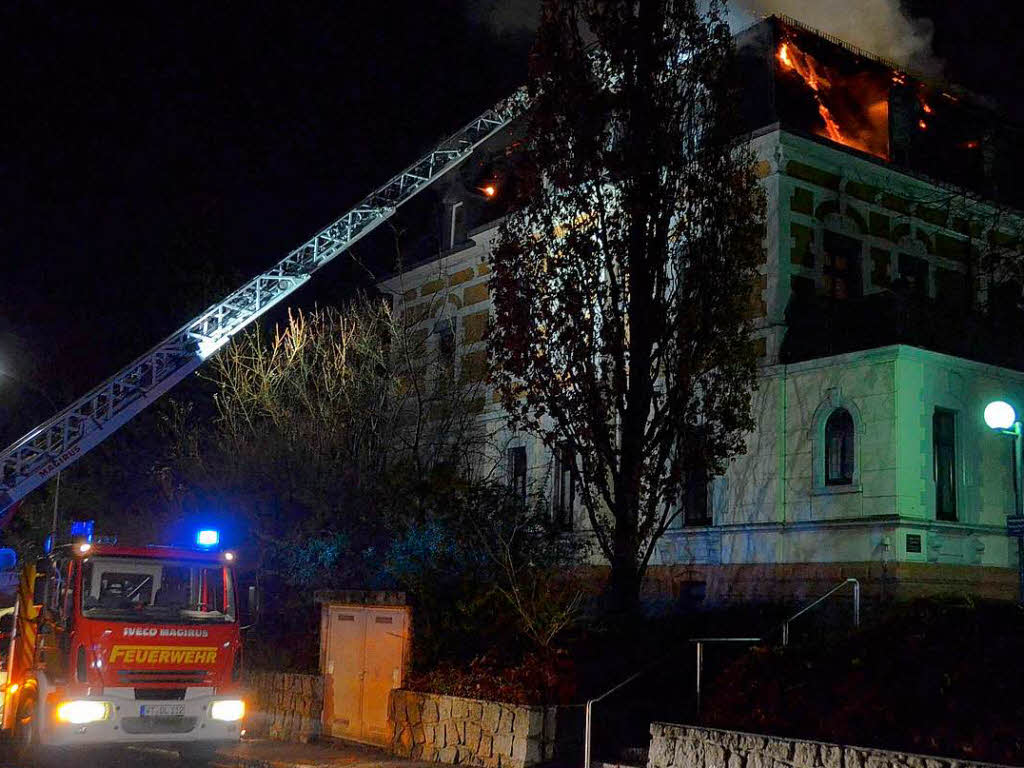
(41, 391)
(1001, 417)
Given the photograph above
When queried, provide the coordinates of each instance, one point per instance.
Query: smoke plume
(878, 26)
(506, 16)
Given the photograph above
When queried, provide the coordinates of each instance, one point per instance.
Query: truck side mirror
(254, 603)
(39, 587)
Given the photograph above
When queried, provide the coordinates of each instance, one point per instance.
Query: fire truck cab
(119, 645)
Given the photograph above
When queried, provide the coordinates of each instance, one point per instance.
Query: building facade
(880, 342)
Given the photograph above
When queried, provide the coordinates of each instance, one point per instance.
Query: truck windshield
(133, 589)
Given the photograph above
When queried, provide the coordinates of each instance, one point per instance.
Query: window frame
(517, 481)
(446, 330)
(562, 510)
(832, 402)
(847, 453)
(951, 414)
(691, 493)
(851, 276)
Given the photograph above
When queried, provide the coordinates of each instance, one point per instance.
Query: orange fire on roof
(489, 190)
(863, 127)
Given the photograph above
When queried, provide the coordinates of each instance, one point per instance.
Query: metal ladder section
(700, 642)
(54, 444)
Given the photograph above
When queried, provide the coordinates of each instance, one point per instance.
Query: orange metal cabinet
(363, 655)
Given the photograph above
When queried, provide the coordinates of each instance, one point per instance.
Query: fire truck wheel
(198, 756)
(26, 731)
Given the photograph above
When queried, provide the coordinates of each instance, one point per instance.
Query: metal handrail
(700, 656)
(806, 608)
(700, 641)
(591, 702)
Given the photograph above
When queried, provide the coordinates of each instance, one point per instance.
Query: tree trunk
(622, 595)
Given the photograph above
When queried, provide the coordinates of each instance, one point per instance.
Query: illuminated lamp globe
(1000, 415)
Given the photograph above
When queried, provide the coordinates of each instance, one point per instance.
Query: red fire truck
(118, 645)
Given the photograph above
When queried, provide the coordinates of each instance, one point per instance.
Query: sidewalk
(263, 753)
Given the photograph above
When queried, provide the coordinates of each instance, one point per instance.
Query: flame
(972, 144)
(926, 108)
(804, 67)
(816, 77)
(922, 125)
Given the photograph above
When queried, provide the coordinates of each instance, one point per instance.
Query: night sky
(155, 154)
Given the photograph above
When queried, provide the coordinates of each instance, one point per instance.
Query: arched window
(839, 437)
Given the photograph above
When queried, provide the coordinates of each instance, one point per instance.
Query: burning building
(883, 321)
(814, 85)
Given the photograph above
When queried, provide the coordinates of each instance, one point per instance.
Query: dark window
(696, 510)
(565, 486)
(1004, 301)
(944, 454)
(839, 445)
(913, 279)
(517, 471)
(802, 288)
(841, 267)
(952, 289)
(880, 260)
(445, 332)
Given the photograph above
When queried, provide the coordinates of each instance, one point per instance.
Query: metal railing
(587, 727)
(700, 642)
(806, 608)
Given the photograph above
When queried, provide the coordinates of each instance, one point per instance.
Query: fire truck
(141, 645)
(116, 645)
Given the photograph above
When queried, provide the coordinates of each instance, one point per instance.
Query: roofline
(890, 354)
(150, 551)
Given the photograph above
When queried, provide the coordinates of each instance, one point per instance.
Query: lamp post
(56, 491)
(1001, 417)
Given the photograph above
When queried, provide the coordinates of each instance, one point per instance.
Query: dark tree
(622, 282)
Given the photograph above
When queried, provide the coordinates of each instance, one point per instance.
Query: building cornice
(890, 354)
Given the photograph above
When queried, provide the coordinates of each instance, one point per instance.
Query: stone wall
(284, 706)
(683, 746)
(449, 729)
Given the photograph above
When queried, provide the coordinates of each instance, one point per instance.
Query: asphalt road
(125, 758)
(252, 753)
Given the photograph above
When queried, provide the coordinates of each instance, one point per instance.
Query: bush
(935, 676)
(492, 590)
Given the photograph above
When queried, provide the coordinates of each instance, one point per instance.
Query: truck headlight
(82, 711)
(228, 710)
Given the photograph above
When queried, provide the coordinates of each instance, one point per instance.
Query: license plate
(162, 710)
